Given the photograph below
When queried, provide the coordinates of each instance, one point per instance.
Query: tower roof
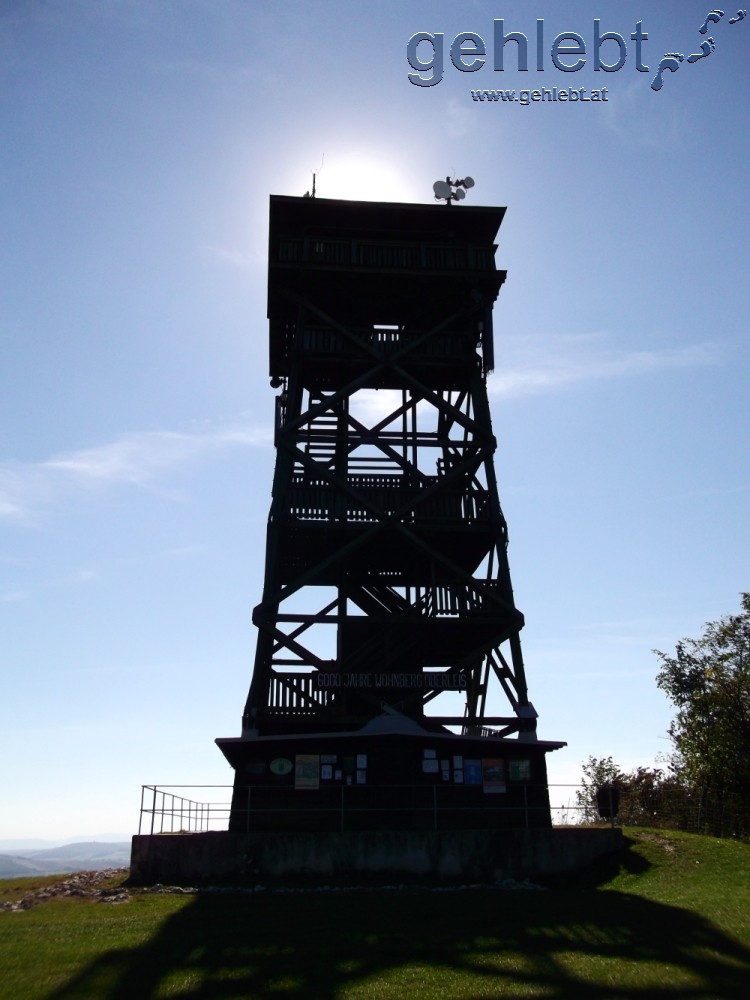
(332, 217)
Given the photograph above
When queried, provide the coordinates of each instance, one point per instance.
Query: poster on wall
(307, 770)
(493, 775)
(472, 772)
(519, 770)
(281, 766)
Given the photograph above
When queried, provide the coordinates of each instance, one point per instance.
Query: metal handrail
(165, 811)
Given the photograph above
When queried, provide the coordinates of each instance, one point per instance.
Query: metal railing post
(153, 811)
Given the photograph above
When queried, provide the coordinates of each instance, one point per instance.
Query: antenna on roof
(444, 190)
(311, 194)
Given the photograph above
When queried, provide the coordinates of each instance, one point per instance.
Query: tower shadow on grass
(627, 861)
(602, 945)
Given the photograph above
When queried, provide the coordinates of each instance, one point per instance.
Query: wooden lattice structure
(387, 611)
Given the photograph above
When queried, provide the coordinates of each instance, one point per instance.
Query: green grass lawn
(670, 918)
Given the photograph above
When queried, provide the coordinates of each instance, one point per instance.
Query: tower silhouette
(387, 629)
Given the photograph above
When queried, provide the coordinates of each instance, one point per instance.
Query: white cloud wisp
(543, 364)
(137, 459)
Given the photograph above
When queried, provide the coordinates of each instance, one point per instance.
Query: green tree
(597, 773)
(647, 797)
(708, 681)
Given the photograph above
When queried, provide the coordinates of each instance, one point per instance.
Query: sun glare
(360, 178)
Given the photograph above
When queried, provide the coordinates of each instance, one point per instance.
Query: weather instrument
(449, 190)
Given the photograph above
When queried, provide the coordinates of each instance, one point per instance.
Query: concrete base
(367, 856)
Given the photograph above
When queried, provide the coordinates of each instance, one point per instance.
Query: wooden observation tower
(388, 670)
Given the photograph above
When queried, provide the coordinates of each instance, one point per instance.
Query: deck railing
(174, 809)
(309, 500)
(177, 809)
(377, 254)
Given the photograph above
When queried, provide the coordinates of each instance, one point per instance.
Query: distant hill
(22, 845)
(90, 856)
(11, 867)
(32, 844)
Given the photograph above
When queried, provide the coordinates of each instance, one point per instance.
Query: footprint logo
(671, 61)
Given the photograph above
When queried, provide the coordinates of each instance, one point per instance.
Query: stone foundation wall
(445, 856)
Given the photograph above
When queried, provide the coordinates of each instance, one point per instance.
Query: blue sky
(141, 140)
